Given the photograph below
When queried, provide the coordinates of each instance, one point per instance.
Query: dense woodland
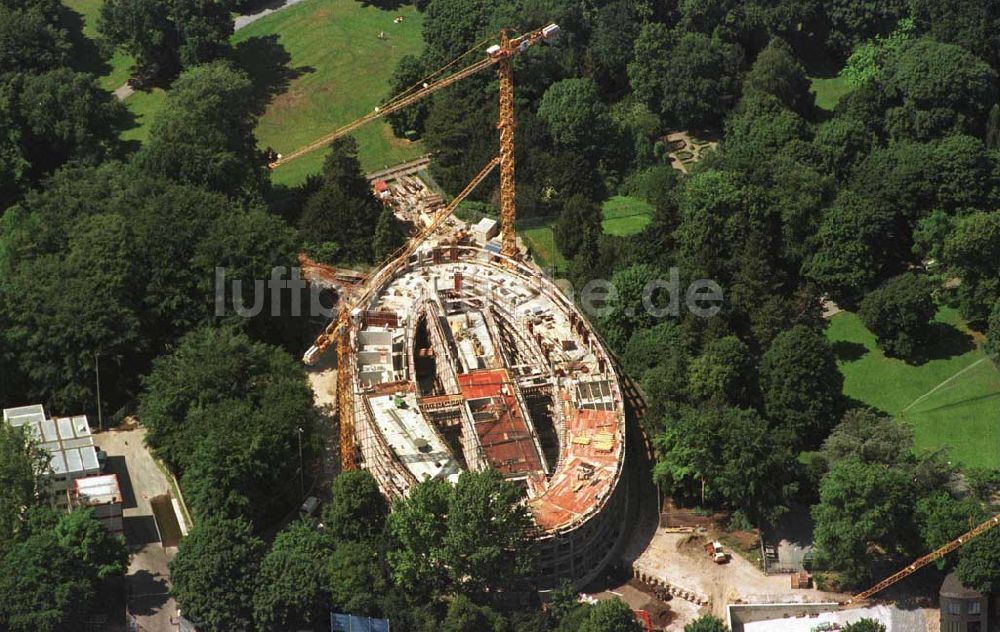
(887, 206)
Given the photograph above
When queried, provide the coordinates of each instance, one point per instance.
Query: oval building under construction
(465, 360)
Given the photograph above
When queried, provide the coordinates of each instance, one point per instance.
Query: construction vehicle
(716, 552)
(340, 330)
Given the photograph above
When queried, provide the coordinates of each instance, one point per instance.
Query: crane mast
(506, 124)
(500, 55)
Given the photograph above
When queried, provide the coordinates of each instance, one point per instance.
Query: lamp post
(302, 480)
(97, 370)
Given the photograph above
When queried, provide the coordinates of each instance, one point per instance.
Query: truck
(715, 551)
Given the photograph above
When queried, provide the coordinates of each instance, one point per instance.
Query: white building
(484, 230)
(104, 496)
(67, 439)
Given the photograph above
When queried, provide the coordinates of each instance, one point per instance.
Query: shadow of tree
(87, 56)
(945, 341)
(147, 592)
(266, 62)
(847, 351)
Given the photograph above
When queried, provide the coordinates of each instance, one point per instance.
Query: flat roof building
(67, 440)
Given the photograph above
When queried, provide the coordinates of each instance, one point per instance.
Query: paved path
(124, 91)
(148, 578)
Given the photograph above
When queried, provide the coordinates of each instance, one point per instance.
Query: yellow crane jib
(976, 531)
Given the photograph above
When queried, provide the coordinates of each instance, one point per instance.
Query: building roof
(66, 439)
(98, 490)
(485, 225)
(412, 438)
(955, 589)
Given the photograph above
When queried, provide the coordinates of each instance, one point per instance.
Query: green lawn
(341, 70)
(542, 246)
(116, 70)
(963, 414)
(337, 69)
(625, 215)
(829, 91)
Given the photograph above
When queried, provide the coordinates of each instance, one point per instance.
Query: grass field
(323, 62)
(542, 245)
(952, 400)
(625, 215)
(337, 69)
(116, 70)
(829, 91)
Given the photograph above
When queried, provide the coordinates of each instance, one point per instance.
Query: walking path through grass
(952, 400)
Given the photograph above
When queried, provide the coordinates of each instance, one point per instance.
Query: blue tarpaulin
(350, 623)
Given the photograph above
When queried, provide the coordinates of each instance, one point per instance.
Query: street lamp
(302, 480)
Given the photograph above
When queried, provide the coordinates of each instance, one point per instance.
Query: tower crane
(499, 55)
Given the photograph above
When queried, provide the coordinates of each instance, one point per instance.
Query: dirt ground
(680, 558)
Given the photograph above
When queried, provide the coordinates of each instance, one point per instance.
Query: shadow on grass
(87, 55)
(847, 351)
(945, 341)
(266, 61)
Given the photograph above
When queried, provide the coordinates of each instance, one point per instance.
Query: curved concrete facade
(464, 360)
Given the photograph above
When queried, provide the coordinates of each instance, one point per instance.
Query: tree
(166, 36)
(466, 616)
(849, 22)
(706, 623)
(417, 527)
(924, 108)
(409, 73)
(355, 580)
(343, 213)
(852, 247)
(291, 592)
(64, 115)
(487, 543)
(979, 563)
(843, 141)
(204, 133)
(863, 508)
(389, 235)
(23, 468)
(577, 118)
(611, 615)
(941, 518)
(869, 437)
(725, 456)
(49, 578)
(865, 625)
(226, 413)
(626, 310)
(992, 344)
(898, 313)
(33, 38)
(579, 216)
(214, 573)
(723, 372)
(685, 77)
(777, 72)
(801, 385)
(972, 25)
(974, 241)
(89, 542)
(64, 307)
(357, 510)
